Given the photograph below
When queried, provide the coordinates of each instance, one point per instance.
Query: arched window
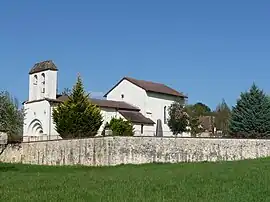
(43, 83)
(165, 114)
(35, 80)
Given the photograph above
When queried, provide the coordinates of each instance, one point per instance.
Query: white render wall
(148, 130)
(35, 90)
(132, 95)
(107, 114)
(36, 118)
(156, 103)
(51, 84)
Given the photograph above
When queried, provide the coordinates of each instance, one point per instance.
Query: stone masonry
(107, 151)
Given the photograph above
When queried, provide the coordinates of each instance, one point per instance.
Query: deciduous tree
(200, 109)
(11, 116)
(194, 113)
(178, 118)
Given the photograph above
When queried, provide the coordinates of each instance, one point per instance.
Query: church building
(144, 103)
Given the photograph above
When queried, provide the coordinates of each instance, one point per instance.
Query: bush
(121, 127)
(250, 117)
(15, 139)
(77, 117)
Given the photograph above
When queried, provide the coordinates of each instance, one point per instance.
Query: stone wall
(134, 150)
(3, 138)
(36, 138)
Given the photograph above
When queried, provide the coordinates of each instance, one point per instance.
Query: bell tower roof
(43, 66)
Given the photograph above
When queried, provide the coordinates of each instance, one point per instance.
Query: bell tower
(43, 81)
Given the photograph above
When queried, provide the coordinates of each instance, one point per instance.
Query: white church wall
(156, 105)
(39, 90)
(33, 87)
(36, 118)
(132, 95)
(147, 130)
(51, 84)
(107, 114)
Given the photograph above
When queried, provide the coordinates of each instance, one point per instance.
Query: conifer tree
(77, 116)
(250, 117)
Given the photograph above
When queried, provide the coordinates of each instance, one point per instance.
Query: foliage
(121, 127)
(251, 116)
(236, 181)
(178, 118)
(200, 109)
(77, 117)
(11, 117)
(194, 113)
(222, 117)
(195, 126)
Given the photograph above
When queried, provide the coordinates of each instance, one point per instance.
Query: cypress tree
(250, 117)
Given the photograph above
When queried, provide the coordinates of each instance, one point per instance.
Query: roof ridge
(154, 82)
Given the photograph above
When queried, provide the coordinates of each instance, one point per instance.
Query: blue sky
(207, 49)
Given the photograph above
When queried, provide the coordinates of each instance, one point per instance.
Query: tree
(178, 118)
(120, 127)
(222, 117)
(200, 109)
(250, 117)
(77, 116)
(195, 126)
(11, 117)
(194, 113)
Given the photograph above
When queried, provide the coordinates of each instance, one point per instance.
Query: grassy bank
(226, 181)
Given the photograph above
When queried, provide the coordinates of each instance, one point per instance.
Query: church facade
(144, 103)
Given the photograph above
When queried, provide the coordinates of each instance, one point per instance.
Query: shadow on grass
(7, 168)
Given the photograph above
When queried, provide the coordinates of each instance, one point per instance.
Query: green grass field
(226, 181)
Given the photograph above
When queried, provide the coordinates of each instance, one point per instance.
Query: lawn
(225, 181)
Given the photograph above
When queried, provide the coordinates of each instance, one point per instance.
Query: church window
(43, 78)
(165, 114)
(43, 82)
(35, 80)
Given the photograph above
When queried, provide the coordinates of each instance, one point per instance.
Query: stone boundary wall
(108, 151)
